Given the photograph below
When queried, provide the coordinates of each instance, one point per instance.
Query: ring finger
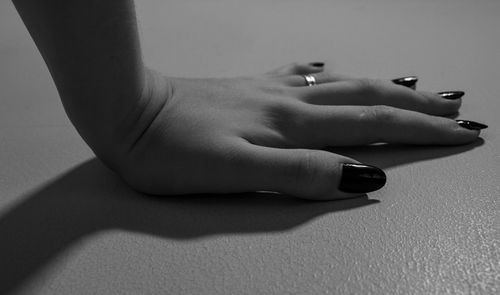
(378, 92)
(319, 78)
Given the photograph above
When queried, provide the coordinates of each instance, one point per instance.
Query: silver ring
(310, 80)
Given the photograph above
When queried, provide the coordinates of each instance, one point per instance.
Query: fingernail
(318, 64)
(451, 94)
(359, 178)
(471, 125)
(409, 81)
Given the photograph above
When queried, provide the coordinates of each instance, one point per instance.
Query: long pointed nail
(451, 94)
(318, 64)
(410, 81)
(359, 178)
(471, 125)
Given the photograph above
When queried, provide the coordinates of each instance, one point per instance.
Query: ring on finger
(310, 80)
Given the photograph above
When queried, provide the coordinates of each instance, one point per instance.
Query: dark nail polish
(318, 64)
(359, 178)
(409, 81)
(471, 125)
(451, 94)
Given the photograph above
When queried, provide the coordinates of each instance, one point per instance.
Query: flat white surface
(69, 226)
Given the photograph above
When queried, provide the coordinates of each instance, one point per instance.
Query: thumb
(311, 174)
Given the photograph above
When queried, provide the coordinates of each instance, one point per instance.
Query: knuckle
(311, 176)
(289, 120)
(379, 114)
(378, 118)
(305, 173)
(368, 87)
(279, 105)
(283, 112)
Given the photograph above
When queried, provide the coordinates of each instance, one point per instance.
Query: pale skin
(171, 136)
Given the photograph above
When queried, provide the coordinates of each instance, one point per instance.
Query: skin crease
(166, 135)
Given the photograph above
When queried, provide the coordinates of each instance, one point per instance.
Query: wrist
(125, 128)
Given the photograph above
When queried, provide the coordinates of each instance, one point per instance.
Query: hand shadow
(90, 198)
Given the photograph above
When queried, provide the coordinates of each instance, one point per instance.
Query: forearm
(92, 50)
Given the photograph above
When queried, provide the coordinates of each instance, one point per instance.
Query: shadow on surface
(90, 198)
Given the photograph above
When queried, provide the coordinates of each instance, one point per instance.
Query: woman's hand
(266, 133)
(180, 136)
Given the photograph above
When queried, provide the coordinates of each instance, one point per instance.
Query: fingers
(293, 74)
(378, 92)
(321, 78)
(358, 125)
(309, 174)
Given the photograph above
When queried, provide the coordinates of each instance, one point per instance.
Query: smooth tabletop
(68, 225)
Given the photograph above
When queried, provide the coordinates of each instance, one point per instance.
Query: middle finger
(370, 92)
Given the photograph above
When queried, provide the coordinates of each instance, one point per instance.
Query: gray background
(69, 226)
